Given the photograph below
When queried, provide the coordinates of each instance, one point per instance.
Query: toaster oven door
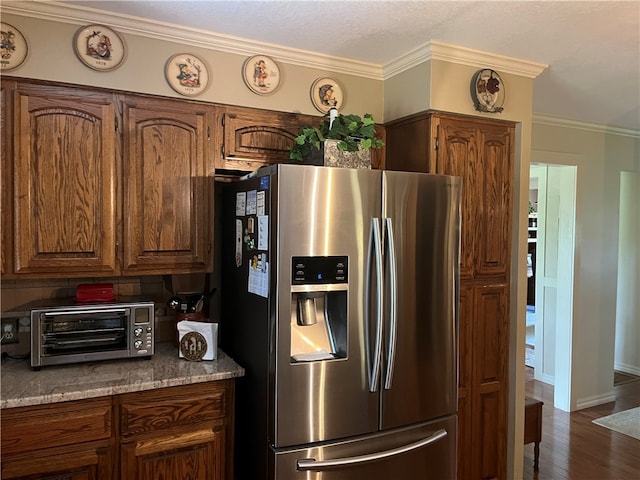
(80, 335)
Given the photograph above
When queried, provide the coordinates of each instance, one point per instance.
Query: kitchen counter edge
(21, 386)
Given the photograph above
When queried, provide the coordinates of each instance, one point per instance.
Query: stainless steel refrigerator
(339, 298)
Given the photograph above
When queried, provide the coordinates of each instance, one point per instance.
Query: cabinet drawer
(171, 407)
(56, 424)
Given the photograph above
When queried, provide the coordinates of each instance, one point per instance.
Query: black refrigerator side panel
(244, 334)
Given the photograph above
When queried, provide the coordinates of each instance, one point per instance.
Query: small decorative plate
(13, 47)
(326, 93)
(99, 47)
(187, 74)
(487, 91)
(261, 74)
(193, 346)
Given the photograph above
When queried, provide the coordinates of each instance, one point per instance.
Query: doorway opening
(550, 313)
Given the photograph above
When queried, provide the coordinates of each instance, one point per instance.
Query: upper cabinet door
(253, 138)
(167, 228)
(496, 151)
(64, 182)
(481, 153)
(457, 154)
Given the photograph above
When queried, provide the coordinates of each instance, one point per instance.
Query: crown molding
(433, 50)
(126, 24)
(592, 127)
(436, 50)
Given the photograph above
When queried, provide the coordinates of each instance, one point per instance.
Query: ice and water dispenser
(319, 287)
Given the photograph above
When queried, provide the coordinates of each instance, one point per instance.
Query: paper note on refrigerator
(241, 203)
(263, 232)
(251, 202)
(259, 279)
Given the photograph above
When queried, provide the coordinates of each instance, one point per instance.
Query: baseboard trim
(626, 368)
(594, 400)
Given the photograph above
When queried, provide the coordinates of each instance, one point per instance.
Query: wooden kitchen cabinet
(481, 152)
(252, 138)
(64, 181)
(173, 433)
(167, 193)
(70, 440)
(179, 432)
(100, 184)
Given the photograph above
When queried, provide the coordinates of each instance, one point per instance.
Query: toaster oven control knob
(137, 331)
(137, 344)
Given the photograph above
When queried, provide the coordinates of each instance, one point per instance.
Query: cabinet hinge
(222, 120)
(115, 121)
(437, 143)
(222, 150)
(208, 133)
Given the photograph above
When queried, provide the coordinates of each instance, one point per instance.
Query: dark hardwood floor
(574, 448)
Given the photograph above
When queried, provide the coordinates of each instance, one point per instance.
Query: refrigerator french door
(340, 292)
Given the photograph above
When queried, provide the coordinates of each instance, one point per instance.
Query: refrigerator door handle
(375, 249)
(393, 304)
(318, 465)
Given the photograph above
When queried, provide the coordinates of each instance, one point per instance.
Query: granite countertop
(22, 387)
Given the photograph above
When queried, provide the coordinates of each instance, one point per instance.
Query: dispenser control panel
(319, 270)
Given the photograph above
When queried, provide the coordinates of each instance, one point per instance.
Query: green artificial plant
(351, 131)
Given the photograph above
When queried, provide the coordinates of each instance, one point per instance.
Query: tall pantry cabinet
(481, 152)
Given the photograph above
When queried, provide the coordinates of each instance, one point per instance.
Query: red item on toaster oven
(94, 292)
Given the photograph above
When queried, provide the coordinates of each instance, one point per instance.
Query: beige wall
(51, 57)
(600, 157)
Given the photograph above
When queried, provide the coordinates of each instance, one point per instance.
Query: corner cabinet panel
(166, 190)
(253, 138)
(6, 187)
(64, 182)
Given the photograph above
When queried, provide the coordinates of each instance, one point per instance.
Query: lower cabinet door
(196, 455)
(77, 462)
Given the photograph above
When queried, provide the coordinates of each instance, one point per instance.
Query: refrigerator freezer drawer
(424, 451)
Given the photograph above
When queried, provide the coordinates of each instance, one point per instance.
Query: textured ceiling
(592, 48)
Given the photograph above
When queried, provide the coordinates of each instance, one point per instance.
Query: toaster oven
(72, 333)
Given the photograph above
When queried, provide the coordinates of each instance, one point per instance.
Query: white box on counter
(198, 340)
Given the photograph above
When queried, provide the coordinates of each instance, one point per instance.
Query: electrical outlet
(9, 330)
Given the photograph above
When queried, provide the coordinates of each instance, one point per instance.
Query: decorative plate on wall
(487, 91)
(261, 74)
(13, 49)
(187, 74)
(326, 93)
(99, 47)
